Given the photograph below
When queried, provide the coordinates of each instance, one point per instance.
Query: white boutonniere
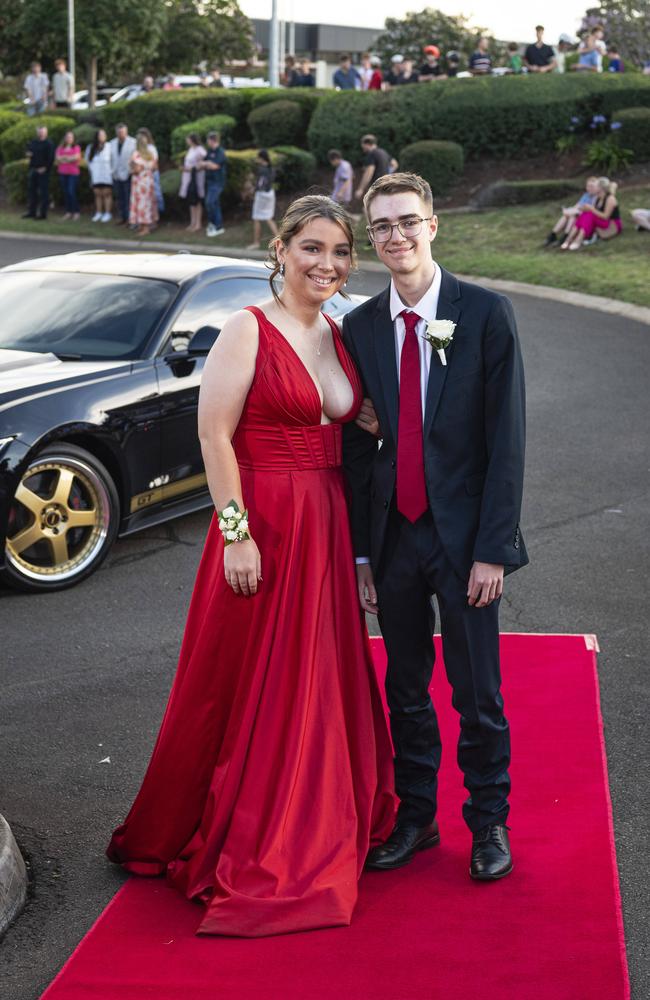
(440, 333)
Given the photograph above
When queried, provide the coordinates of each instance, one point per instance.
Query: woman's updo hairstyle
(606, 186)
(299, 214)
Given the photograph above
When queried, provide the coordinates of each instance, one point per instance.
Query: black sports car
(100, 362)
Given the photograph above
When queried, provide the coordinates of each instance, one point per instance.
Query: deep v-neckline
(335, 340)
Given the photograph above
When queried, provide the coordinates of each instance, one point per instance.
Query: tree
(212, 31)
(626, 24)
(410, 34)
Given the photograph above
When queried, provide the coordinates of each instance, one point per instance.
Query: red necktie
(411, 489)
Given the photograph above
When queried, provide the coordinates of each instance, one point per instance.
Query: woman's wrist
(233, 523)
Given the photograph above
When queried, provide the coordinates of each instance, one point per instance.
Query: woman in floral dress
(143, 209)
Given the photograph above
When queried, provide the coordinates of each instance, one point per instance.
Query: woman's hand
(367, 419)
(242, 566)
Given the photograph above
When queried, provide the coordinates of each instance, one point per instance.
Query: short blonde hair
(299, 214)
(396, 184)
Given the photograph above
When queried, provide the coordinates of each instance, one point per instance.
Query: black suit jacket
(474, 429)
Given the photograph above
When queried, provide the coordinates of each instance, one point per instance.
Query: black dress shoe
(28, 215)
(491, 858)
(403, 844)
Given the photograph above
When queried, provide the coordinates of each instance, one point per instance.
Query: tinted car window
(92, 316)
(213, 304)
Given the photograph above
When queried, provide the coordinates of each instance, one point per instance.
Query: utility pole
(274, 46)
(71, 58)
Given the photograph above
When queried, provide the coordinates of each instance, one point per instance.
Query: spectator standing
(540, 57)
(215, 167)
(366, 70)
(37, 88)
(143, 209)
(616, 64)
(377, 78)
(40, 153)
(264, 199)
(122, 149)
(304, 76)
(515, 62)
(590, 57)
(288, 77)
(431, 68)
(160, 201)
(193, 180)
(62, 86)
(216, 77)
(68, 160)
(343, 178)
(480, 62)
(346, 76)
(452, 59)
(171, 83)
(376, 163)
(148, 85)
(408, 74)
(98, 159)
(564, 45)
(392, 78)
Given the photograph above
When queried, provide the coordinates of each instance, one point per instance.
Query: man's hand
(367, 419)
(485, 584)
(366, 588)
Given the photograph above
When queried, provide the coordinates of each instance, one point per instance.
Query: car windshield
(80, 316)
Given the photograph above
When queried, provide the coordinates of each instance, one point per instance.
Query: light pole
(71, 59)
(274, 72)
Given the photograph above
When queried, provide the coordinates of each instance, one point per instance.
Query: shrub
(607, 155)
(14, 139)
(341, 120)
(307, 97)
(224, 124)
(84, 134)
(9, 118)
(15, 178)
(295, 167)
(163, 111)
(277, 122)
(440, 163)
(634, 132)
(524, 192)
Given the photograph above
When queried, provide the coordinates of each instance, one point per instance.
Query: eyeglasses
(383, 231)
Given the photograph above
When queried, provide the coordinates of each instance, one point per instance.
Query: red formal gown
(272, 772)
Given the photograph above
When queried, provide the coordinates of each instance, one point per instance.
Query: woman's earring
(282, 270)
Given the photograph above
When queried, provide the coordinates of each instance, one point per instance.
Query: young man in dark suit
(435, 510)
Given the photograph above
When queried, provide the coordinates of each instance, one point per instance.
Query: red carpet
(551, 931)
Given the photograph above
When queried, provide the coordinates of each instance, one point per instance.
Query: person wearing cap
(394, 75)
(539, 57)
(431, 68)
(564, 45)
(452, 60)
(377, 78)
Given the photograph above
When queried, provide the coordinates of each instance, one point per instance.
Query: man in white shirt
(37, 87)
(62, 86)
(122, 148)
(436, 510)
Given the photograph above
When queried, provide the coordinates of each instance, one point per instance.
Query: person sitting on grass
(641, 218)
(602, 219)
(569, 215)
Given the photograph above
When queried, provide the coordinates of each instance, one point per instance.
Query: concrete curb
(615, 307)
(13, 877)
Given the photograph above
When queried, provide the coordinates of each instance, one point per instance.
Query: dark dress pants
(39, 193)
(122, 192)
(413, 567)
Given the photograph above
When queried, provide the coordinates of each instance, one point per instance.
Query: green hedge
(224, 124)
(495, 117)
(8, 119)
(15, 180)
(440, 163)
(277, 122)
(526, 192)
(634, 133)
(14, 140)
(307, 97)
(295, 168)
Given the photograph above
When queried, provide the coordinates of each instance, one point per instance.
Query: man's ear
(433, 228)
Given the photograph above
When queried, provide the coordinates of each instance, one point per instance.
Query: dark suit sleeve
(497, 540)
(359, 452)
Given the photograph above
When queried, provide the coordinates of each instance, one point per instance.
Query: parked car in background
(101, 357)
(104, 95)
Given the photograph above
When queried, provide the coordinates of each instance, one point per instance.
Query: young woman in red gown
(272, 773)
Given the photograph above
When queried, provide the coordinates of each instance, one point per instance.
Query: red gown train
(272, 772)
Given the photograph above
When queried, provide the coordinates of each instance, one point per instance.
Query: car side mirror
(203, 340)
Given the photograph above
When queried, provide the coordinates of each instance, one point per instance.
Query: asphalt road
(85, 673)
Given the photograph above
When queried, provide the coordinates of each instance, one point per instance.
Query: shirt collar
(426, 308)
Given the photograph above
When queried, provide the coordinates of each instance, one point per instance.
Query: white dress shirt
(426, 308)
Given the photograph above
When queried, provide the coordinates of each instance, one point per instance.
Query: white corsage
(440, 333)
(233, 523)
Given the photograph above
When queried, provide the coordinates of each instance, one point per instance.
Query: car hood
(24, 372)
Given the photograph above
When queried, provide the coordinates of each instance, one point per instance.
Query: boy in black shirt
(540, 58)
(40, 153)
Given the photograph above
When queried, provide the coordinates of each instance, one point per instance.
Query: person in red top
(377, 77)
(67, 160)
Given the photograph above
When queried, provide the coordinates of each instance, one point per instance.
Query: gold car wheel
(59, 520)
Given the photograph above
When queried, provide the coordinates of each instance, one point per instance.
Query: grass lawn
(499, 243)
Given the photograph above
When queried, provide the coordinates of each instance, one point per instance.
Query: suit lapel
(448, 308)
(384, 341)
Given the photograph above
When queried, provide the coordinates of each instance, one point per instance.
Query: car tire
(62, 522)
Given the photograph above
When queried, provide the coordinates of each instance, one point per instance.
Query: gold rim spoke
(63, 487)
(59, 548)
(81, 519)
(27, 537)
(28, 499)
